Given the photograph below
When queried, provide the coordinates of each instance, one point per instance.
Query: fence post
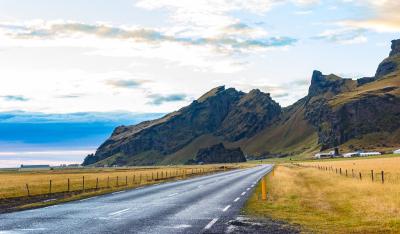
(108, 182)
(372, 175)
(117, 181)
(126, 181)
(27, 189)
(340, 170)
(50, 187)
(83, 183)
(352, 173)
(360, 176)
(383, 177)
(133, 179)
(97, 183)
(140, 179)
(68, 185)
(346, 172)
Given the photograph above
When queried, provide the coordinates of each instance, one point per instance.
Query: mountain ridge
(336, 112)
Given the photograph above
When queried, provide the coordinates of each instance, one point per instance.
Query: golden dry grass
(389, 165)
(327, 203)
(13, 183)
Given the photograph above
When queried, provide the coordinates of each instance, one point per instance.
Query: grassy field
(388, 164)
(16, 183)
(324, 202)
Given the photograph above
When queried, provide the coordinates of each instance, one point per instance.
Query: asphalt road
(197, 205)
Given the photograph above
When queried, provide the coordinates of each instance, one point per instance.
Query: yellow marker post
(263, 189)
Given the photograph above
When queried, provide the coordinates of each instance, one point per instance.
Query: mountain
(219, 115)
(352, 114)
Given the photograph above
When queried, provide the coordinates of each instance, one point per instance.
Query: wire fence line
(375, 176)
(93, 182)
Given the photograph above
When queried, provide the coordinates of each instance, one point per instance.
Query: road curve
(197, 205)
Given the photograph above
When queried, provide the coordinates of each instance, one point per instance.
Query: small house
(324, 155)
(396, 151)
(34, 167)
(369, 154)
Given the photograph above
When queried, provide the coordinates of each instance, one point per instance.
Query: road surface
(197, 205)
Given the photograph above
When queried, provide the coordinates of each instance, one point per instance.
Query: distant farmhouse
(359, 153)
(396, 151)
(330, 154)
(34, 167)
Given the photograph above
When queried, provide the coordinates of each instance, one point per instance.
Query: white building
(34, 167)
(324, 155)
(351, 154)
(369, 154)
(396, 151)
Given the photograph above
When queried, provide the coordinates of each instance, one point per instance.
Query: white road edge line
(243, 193)
(171, 195)
(237, 199)
(86, 199)
(212, 222)
(118, 192)
(118, 212)
(226, 208)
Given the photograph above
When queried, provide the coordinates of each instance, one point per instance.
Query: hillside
(353, 114)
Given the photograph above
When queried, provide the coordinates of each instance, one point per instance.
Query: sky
(124, 61)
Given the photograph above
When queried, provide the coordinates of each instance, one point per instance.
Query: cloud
(343, 36)
(157, 99)
(16, 98)
(14, 117)
(385, 17)
(230, 37)
(70, 96)
(125, 83)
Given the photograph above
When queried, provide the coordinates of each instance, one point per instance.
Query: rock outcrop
(219, 154)
(390, 64)
(226, 113)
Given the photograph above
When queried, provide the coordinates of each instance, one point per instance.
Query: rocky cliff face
(219, 154)
(368, 105)
(230, 114)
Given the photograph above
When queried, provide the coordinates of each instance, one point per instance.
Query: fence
(376, 176)
(98, 181)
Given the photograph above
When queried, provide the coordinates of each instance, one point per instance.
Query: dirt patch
(245, 224)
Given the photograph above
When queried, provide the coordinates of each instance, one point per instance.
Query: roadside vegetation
(325, 202)
(24, 189)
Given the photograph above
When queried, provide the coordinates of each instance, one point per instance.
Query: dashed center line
(226, 208)
(237, 199)
(248, 189)
(174, 194)
(212, 222)
(243, 193)
(119, 212)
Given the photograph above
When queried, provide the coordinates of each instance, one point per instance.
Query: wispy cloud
(230, 38)
(157, 99)
(385, 17)
(16, 98)
(343, 36)
(126, 83)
